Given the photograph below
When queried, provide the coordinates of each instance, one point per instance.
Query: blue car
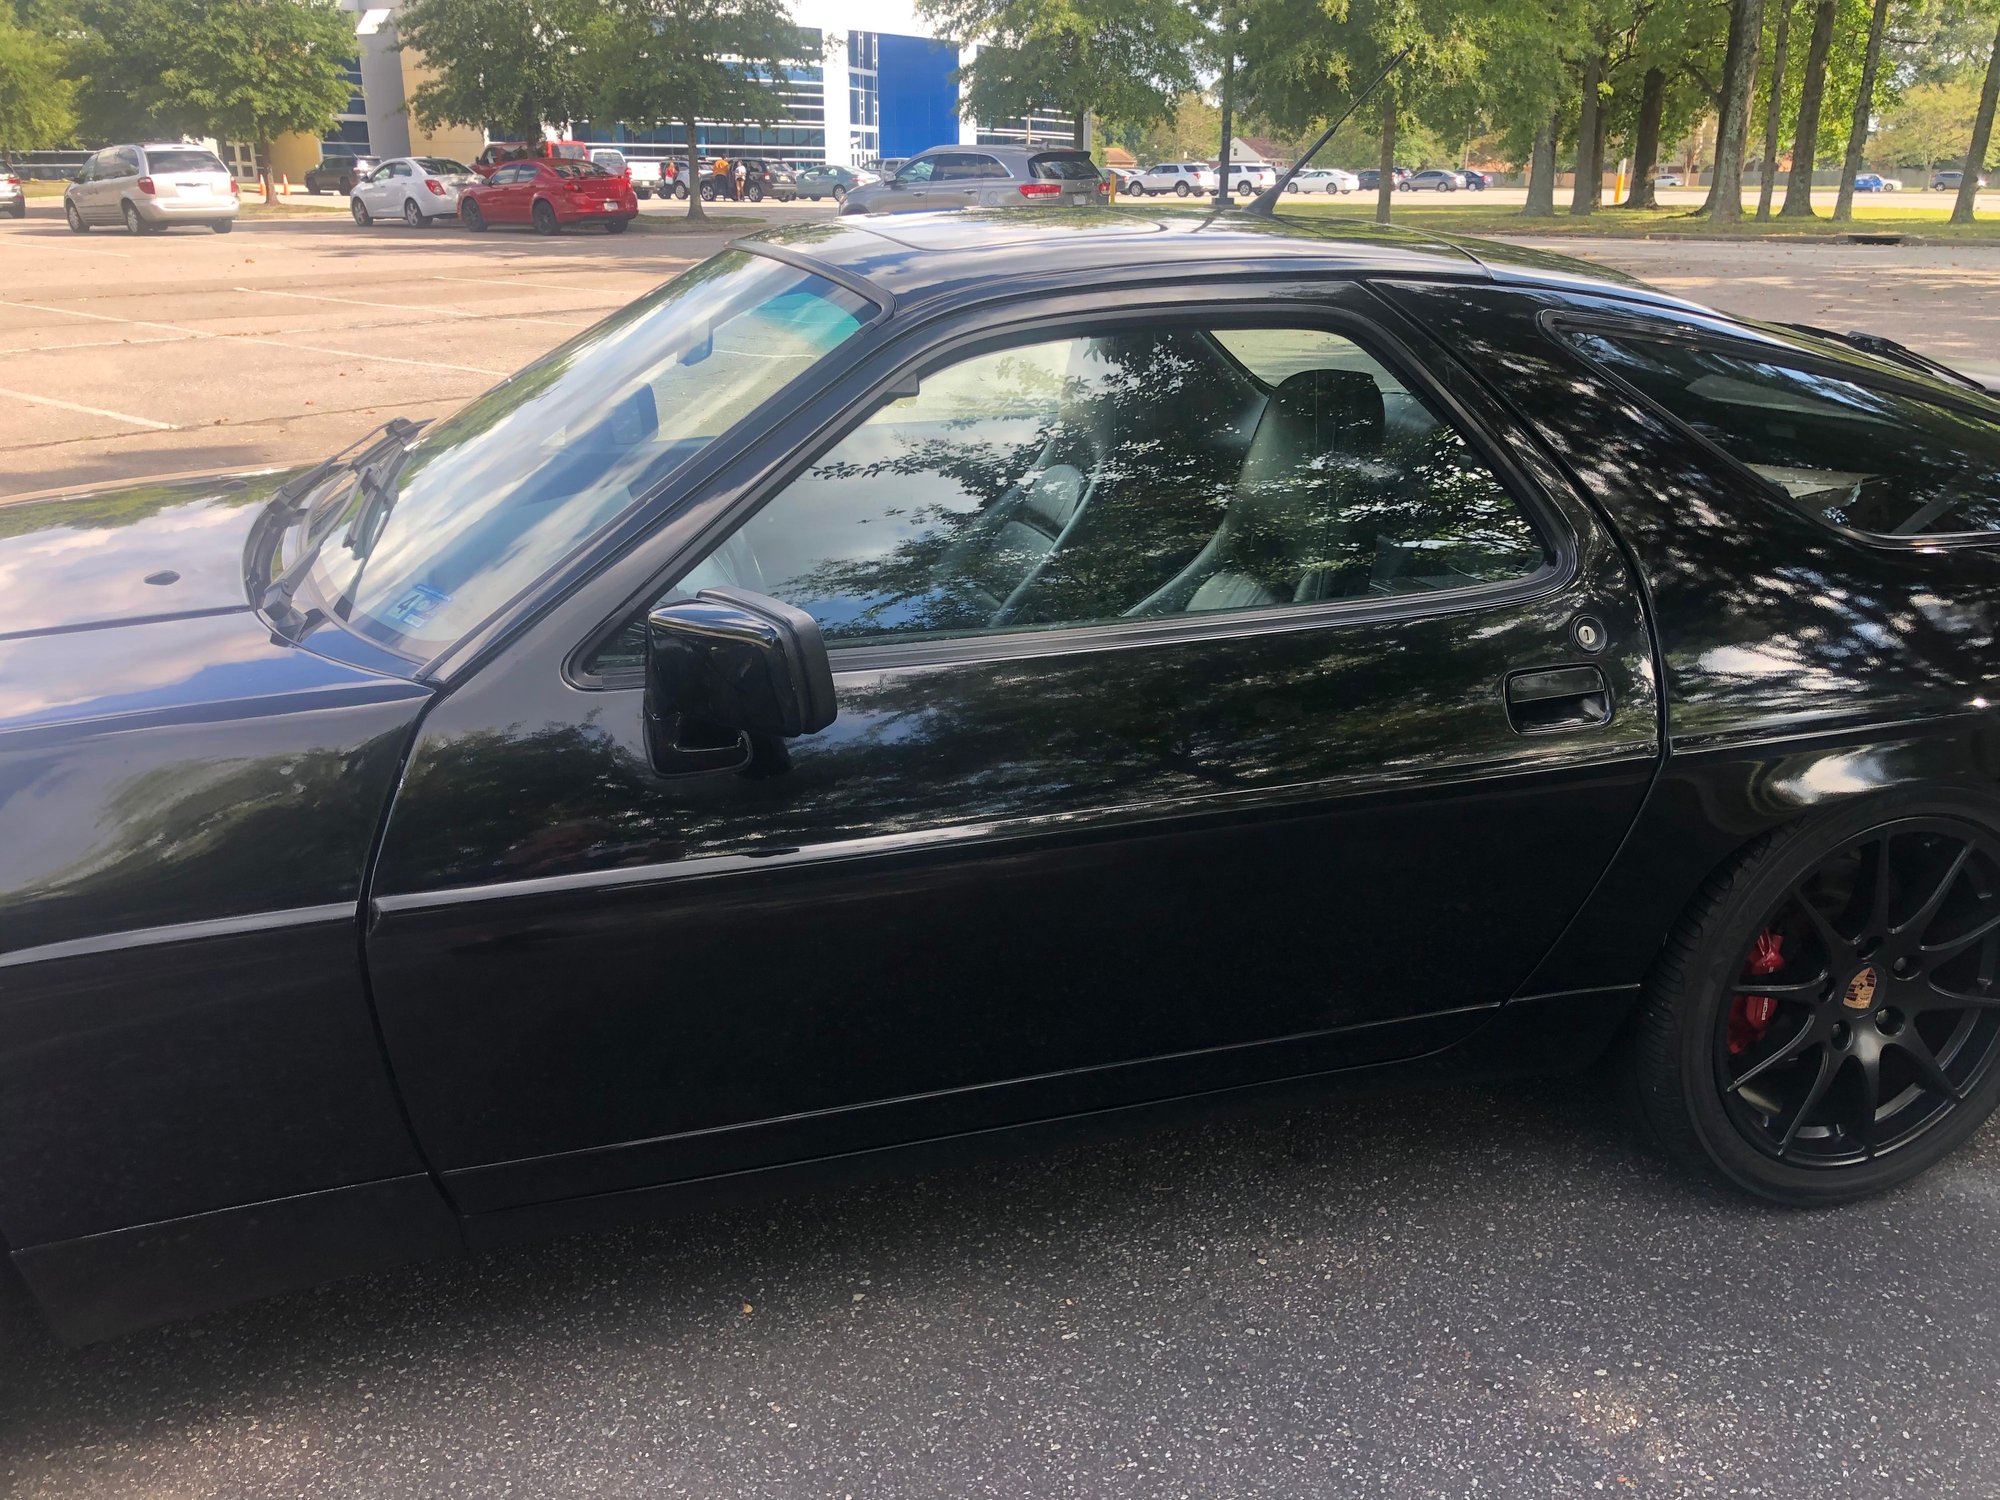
(1870, 182)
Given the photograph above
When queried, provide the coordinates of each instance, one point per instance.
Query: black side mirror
(728, 674)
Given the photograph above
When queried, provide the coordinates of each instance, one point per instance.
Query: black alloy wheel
(617, 226)
(470, 216)
(1829, 1014)
(544, 218)
(839, 197)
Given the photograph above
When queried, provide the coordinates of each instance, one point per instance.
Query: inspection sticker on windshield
(417, 606)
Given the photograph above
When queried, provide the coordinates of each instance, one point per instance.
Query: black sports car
(901, 683)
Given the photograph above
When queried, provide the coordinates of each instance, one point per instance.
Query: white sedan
(1323, 180)
(415, 189)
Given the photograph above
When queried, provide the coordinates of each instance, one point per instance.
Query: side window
(399, 169)
(955, 167)
(128, 161)
(918, 171)
(1868, 460)
(989, 169)
(1139, 474)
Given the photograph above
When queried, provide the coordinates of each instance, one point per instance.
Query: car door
(910, 188)
(373, 191)
(513, 186)
(1211, 711)
(108, 176)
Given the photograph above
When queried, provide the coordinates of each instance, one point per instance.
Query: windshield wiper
(398, 430)
(369, 457)
(1895, 353)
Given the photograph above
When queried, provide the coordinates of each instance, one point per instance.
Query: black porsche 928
(899, 686)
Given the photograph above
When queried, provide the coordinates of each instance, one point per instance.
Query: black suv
(338, 173)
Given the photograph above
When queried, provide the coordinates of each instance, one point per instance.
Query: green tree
(1129, 61)
(1805, 135)
(515, 64)
(1303, 60)
(1864, 111)
(1982, 140)
(116, 62)
(1930, 125)
(663, 62)
(37, 103)
(1774, 106)
(253, 70)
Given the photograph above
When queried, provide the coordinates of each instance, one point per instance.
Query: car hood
(120, 556)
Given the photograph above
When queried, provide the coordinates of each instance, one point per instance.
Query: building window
(864, 95)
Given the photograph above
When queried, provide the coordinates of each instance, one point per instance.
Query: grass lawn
(1656, 223)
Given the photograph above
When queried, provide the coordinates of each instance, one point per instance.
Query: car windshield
(491, 498)
(577, 169)
(184, 161)
(1070, 167)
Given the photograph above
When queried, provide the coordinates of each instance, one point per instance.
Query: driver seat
(1286, 535)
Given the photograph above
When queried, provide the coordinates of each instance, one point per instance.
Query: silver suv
(148, 188)
(983, 177)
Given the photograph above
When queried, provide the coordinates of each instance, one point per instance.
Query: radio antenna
(1267, 200)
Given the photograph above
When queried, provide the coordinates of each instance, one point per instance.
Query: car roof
(926, 257)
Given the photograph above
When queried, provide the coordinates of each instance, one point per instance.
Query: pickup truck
(646, 174)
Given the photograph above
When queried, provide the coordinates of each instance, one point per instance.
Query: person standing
(742, 175)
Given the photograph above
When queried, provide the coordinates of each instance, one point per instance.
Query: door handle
(1551, 699)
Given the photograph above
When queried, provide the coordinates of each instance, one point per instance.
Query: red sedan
(549, 195)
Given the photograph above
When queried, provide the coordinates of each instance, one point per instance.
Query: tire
(840, 197)
(20, 208)
(76, 223)
(360, 211)
(133, 222)
(1675, 1057)
(470, 216)
(680, 192)
(1291, 187)
(223, 226)
(543, 217)
(754, 193)
(312, 186)
(347, 186)
(412, 215)
(617, 226)
(1182, 190)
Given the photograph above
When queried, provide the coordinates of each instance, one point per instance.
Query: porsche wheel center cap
(1860, 994)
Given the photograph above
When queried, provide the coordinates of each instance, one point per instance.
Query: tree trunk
(695, 210)
(1385, 188)
(1646, 140)
(264, 173)
(1774, 110)
(1541, 202)
(1805, 133)
(1739, 82)
(1982, 140)
(1080, 137)
(1864, 109)
(1583, 198)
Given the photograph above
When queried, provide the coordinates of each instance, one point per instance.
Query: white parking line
(250, 338)
(93, 411)
(440, 312)
(67, 249)
(177, 338)
(552, 285)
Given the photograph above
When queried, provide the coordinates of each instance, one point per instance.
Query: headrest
(1340, 410)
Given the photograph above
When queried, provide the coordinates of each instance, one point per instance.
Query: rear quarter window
(1067, 167)
(1883, 463)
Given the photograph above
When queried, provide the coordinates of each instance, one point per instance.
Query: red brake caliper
(1750, 1015)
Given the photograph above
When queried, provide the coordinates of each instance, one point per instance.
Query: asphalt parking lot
(122, 359)
(1478, 1291)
